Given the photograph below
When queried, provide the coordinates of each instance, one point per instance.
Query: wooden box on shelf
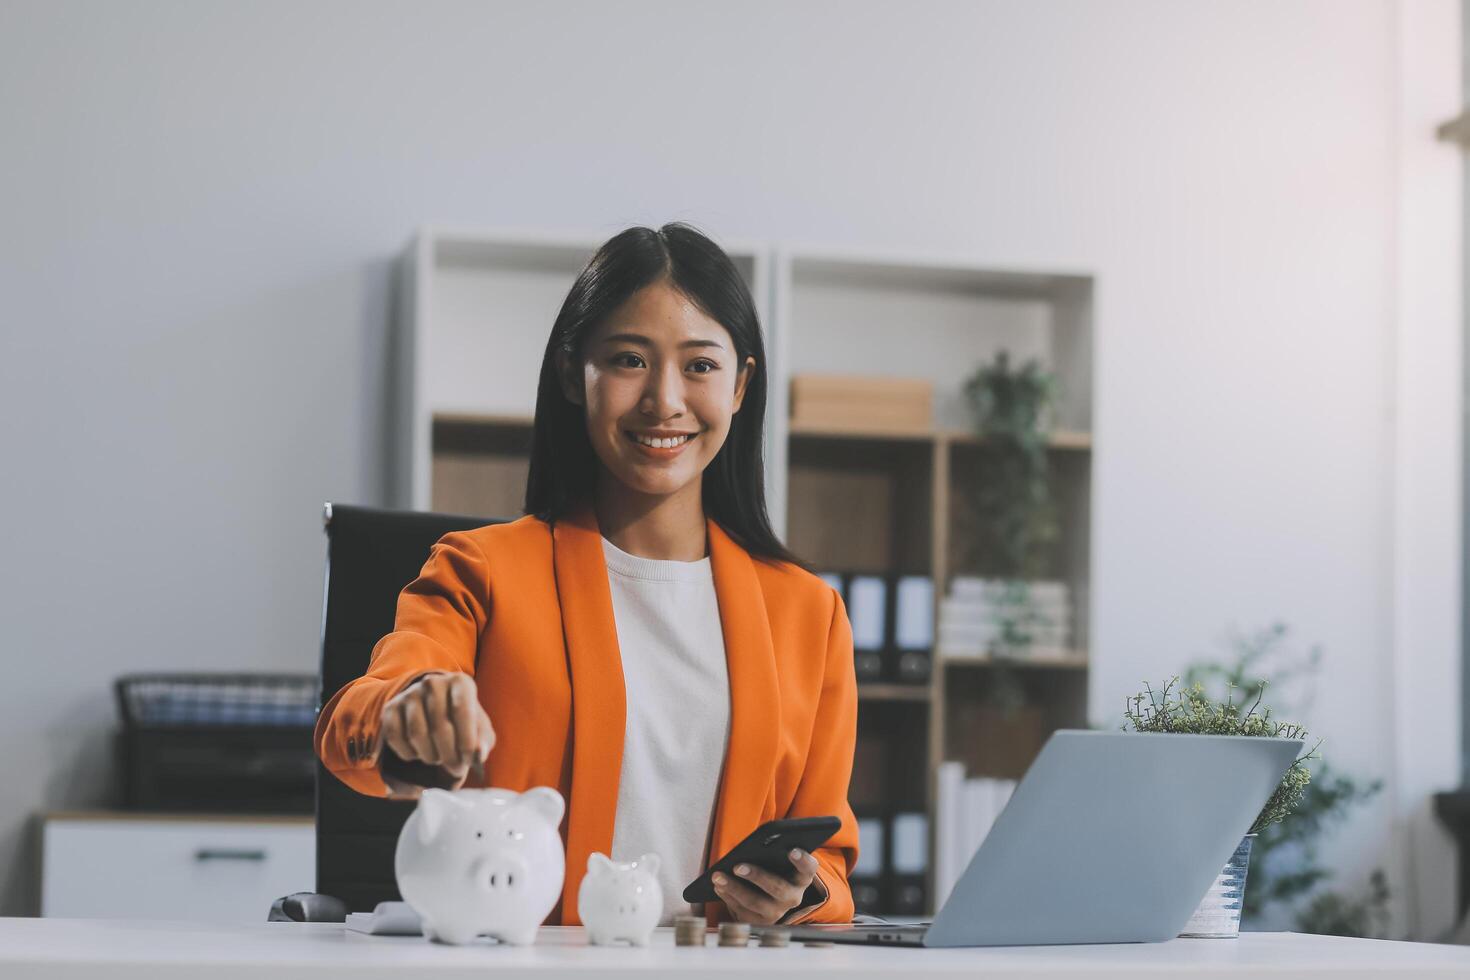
(480, 464)
(862, 402)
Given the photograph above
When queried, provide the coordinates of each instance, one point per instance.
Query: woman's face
(658, 369)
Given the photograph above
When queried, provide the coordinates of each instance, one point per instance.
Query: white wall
(1428, 458)
(198, 202)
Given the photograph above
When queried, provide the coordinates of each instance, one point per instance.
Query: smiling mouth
(651, 443)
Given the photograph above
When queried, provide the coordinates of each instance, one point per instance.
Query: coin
(734, 933)
(689, 930)
(775, 936)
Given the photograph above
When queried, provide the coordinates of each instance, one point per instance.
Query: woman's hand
(763, 897)
(437, 720)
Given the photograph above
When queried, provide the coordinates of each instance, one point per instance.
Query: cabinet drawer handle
(227, 854)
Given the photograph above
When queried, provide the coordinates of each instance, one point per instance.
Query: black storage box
(238, 743)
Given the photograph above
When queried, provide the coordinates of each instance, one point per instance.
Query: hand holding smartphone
(765, 847)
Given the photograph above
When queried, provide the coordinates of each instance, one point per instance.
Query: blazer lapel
(755, 706)
(599, 708)
(598, 705)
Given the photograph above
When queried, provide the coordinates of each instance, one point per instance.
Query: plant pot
(1218, 915)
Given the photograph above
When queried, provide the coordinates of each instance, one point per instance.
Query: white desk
(122, 949)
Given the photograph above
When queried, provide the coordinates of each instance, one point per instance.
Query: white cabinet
(200, 868)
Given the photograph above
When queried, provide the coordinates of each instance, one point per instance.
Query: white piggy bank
(620, 900)
(482, 861)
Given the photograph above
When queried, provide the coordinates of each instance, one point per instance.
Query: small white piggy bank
(620, 900)
(482, 861)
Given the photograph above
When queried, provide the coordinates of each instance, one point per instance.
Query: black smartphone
(765, 847)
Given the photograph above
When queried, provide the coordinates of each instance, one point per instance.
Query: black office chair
(371, 555)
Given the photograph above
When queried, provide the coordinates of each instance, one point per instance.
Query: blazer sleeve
(824, 781)
(437, 627)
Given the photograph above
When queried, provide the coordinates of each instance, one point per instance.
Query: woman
(640, 639)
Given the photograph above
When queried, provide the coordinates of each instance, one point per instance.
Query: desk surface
(122, 949)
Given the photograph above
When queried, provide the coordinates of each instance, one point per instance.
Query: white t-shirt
(678, 714)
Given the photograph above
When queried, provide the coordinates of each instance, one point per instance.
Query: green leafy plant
(1255, 653)
(1334, 914)
(1286, 870)
(1018, 519)
(1181, 709)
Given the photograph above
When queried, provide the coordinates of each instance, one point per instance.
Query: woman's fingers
(771, 885)
(743, 900)
(416, 729)
(437, 706)
(749, 903)
(806, 865)
(758, 895)
(484, 733)
(438, 720)
(392, 733)
(463, 706)
(785, 891)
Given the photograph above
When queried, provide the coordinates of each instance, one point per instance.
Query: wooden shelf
(476, 418)
(829, 431)
(1059, 440)
(1020, 663)
(893, 692)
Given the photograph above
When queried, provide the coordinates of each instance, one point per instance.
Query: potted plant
(1286, 866)
(1189, 710)
(1018, 527)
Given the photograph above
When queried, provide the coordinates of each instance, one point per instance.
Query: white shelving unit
(478, 307)
(922, 316)
(937, 318)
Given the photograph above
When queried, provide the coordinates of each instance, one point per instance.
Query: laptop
(1111, 837)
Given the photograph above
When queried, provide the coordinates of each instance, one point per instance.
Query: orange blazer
(526, 609)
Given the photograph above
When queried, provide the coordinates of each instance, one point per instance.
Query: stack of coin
(689, 930)
(734, 933)
(775, 936)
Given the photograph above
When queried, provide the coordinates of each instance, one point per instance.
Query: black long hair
(563, 462)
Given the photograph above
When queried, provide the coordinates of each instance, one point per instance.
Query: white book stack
(974, 614)
(967, 809)
(870, 848)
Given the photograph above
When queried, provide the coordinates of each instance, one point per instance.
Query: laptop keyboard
(872, 926)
